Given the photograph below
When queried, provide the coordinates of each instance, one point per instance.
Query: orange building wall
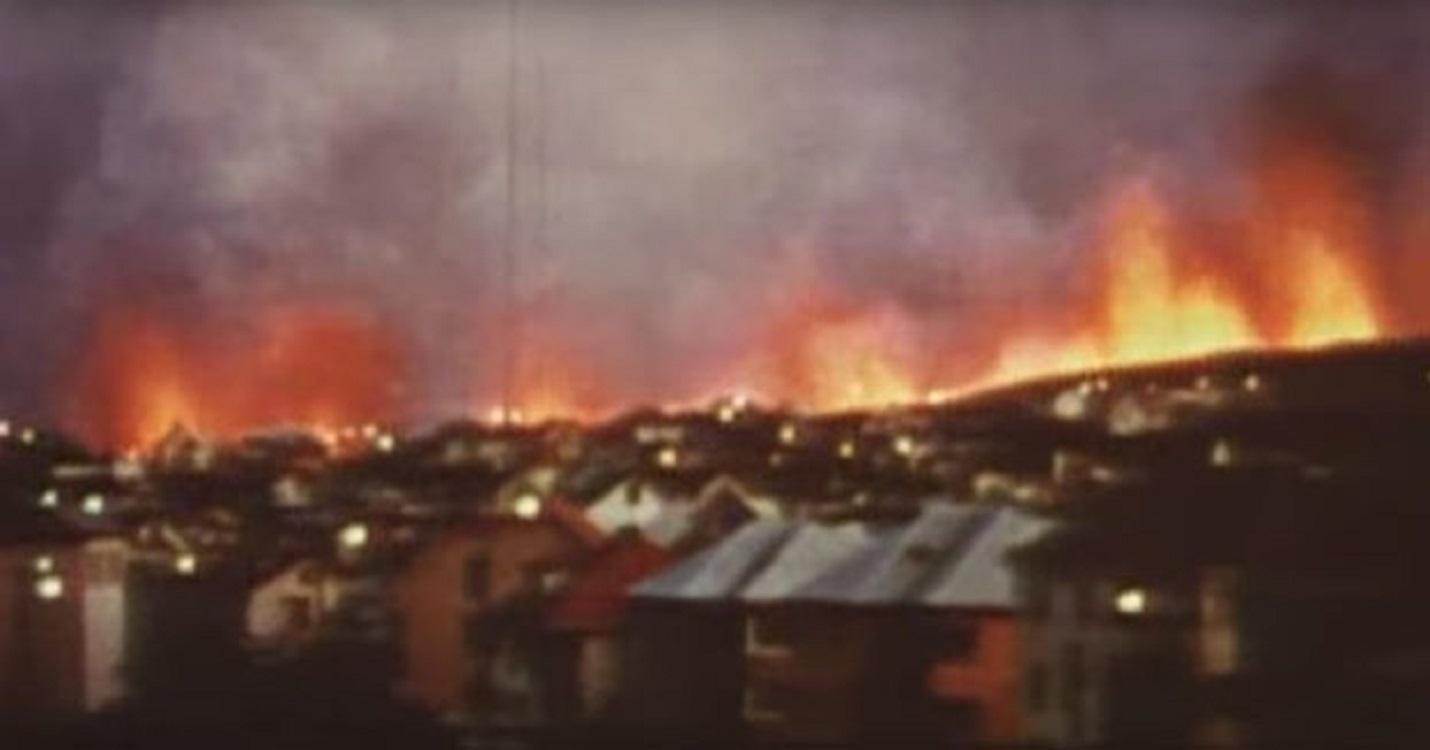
(989, 678)
(430, 598)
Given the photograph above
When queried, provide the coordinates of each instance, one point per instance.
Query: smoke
(677, 168)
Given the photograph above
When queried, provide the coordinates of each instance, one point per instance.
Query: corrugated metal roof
(913, 556)
(981, 576)
(721, 571)
(808, 552)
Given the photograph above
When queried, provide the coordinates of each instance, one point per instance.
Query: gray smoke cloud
(675, 162)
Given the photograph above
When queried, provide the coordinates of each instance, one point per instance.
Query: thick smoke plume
(686, 175)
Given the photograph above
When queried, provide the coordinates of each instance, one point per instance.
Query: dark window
(476, 578)
(1038, 688)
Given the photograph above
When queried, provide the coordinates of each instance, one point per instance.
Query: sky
(681, 171)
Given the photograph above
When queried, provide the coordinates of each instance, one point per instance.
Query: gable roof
(981, 577)
(901, 563)
(720, 571)
(811, 550)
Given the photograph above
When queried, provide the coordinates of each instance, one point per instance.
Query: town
(1216, 551)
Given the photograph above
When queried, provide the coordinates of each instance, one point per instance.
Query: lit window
(527, 507)
(186, 564)
(93, 504)
(1222, 453)
(49, 587)
(353, 536)
(1131, 601)
(904, 445)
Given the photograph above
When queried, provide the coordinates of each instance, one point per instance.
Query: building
(586, 621)
(62, 617)
(865, 631)
(470, 605)
(1243, 609)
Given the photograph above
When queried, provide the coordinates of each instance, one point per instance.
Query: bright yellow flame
(1330, 304)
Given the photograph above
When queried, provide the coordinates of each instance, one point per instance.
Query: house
(682, 668)
(586, 621)
(911, 638)
(470, 604)
(863, 631)
(1230, 608)
(62, 617)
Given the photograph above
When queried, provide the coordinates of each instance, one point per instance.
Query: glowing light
(49, 587)
(44, 564)
(667, 458)
(1131, 601)
(4, 428)
(1331, 305)
(789, 433)
(27, 436)
(1252, 382)
(1222, 453)
(93, 504)
(904, 445)
(386, 443)
(726, 413)
(353, 536)
(50, 499)
(846, 450)
(186, 564)
(526, 507)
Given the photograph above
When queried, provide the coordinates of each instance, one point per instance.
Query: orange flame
(832, 355)
(552, 381)
(311, 366)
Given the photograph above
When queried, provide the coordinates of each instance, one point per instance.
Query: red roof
(595, 598)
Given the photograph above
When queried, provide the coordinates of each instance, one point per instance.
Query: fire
(831, 355)
(552, 381)
(146, 373)
(1150, 309)
(1332, 305)
(1153, 309)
